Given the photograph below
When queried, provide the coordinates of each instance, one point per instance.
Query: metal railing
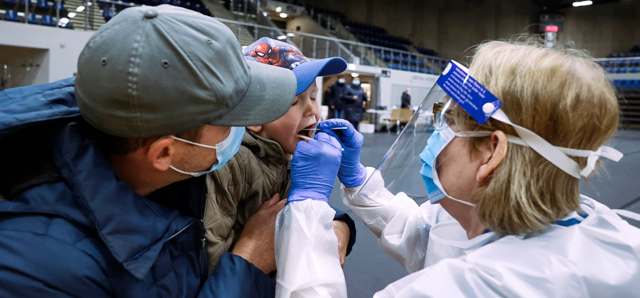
(314, 46)
(319, 46)
(625, 76)
(261, 17)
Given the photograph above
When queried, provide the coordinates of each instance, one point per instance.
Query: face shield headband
(482, 105)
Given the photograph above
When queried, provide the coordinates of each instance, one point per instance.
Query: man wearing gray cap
(162, 95)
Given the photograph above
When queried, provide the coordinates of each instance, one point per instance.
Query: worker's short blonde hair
(564, 97)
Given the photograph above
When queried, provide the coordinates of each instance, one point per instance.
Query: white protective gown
(592, 254)
(307, 259)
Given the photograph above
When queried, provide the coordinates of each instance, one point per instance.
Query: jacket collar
(25, 106)
(133, 228)
(267, 150)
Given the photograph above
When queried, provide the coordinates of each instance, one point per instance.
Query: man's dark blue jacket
(69, 227)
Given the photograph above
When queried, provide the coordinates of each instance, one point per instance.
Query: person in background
(353, 102)
(333, 98)
(107, 189)
(405, 99)
(261, 167)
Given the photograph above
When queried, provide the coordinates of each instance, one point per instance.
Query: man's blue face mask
(225, 151)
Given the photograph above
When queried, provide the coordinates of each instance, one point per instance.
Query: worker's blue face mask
(439, 140)
(225, 151)
(435, 144)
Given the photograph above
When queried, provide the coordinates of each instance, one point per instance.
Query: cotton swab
(316, 129)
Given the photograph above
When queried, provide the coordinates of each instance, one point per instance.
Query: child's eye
(295, 102)
(312, 98)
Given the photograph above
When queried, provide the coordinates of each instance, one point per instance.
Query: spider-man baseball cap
(278, 53)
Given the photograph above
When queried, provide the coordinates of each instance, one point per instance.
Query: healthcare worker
(500, 169)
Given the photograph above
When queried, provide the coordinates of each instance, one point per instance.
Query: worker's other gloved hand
(314, 168)
(352, 173)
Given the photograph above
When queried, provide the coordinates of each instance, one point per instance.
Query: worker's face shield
(457, 95)
(401, 164)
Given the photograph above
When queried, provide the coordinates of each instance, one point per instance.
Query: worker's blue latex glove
(352, 173)
(314, 168)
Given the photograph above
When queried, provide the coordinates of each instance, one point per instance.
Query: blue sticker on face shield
(474, 98)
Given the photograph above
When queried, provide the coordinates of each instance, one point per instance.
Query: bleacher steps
(93, 12)
(217, 9)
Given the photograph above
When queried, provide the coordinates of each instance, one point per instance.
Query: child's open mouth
(307, 132)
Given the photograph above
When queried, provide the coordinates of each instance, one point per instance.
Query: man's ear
(160, 153)
(492, 154)
(255, 129)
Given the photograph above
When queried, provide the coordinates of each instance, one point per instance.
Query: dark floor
(368, 269)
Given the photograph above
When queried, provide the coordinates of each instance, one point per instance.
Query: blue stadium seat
(33, 18)
(108, 13)
(11, 15)
(42, 4)
(48, 20)
(58, 6)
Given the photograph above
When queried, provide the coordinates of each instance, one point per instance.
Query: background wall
(603, 29)
(54, 49)
(22, 66)
(452, 26)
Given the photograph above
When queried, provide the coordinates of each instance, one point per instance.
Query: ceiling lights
(582, 3)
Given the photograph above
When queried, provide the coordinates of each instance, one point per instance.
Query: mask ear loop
(194, 143)
(446, 130)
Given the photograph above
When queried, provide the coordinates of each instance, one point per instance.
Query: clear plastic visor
(401, 164)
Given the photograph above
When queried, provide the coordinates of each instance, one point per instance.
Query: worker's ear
(492, 154)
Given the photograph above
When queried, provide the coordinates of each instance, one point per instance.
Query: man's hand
(342, 233)
(256, 242)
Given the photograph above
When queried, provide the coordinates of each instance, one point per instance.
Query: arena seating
(11, 15)
(110, 9)
(623, 62)
(627, 84)
(377, 36)
(42, 12)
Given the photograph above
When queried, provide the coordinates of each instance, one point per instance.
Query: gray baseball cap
(161, 70)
